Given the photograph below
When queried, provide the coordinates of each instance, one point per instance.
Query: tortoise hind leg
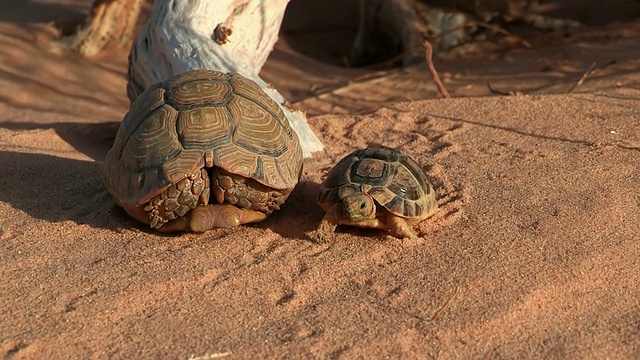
(178, 199)
(186, 206)
(245, 193)
(174, 202)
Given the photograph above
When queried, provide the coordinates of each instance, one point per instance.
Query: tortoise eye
(363, 205)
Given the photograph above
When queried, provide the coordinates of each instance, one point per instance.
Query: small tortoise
(200, 132)
(377, 187)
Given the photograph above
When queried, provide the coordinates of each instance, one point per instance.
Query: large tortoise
(377, 187)
(200, 132)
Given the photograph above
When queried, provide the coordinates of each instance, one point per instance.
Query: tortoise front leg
(328, 224)
(400, 227)
(208, 217)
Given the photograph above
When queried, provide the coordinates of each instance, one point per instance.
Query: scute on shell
(172, 125)
(393, 179)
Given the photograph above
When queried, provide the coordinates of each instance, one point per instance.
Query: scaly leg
(328, 224)
(246, 193)
(400, 227)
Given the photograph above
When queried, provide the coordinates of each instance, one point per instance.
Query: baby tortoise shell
(377, 187)
(200, 132)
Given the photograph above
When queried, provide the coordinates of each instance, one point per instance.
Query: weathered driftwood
(224, 35)
(111, 22)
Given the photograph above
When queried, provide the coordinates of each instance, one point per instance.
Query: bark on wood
(224, 35)
(111, 23)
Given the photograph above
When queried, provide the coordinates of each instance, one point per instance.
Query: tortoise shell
(394, 180)
(198, 119)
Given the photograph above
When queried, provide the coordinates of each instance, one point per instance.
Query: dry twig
(434, 74)
(583, 77)
(446, 304)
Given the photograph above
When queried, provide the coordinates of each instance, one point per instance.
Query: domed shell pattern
(393, 179)
(199, 119)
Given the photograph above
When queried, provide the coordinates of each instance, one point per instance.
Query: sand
(534, 252)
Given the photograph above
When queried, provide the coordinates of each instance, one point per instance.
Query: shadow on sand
(299, 216)
(93, 140)
(56, 189)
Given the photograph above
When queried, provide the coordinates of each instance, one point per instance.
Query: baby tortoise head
(359, 207)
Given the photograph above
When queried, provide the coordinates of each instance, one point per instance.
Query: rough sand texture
(535, 251)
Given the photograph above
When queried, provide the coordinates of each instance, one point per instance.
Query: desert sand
(534, 252)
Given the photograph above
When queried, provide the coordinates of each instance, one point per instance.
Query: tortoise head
(358, 207)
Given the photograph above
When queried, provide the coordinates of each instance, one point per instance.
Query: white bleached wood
(178, 37)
